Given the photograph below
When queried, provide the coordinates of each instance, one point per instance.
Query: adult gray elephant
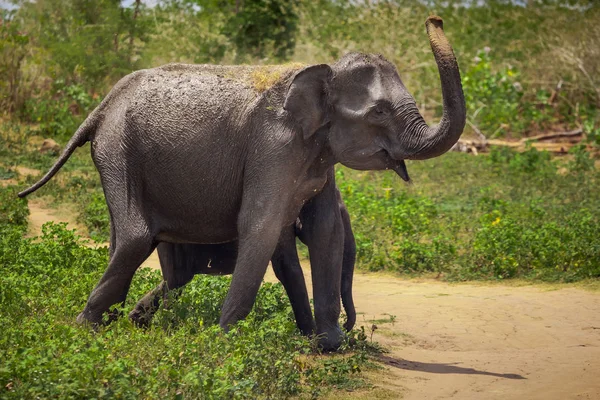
(212, 154)
(179, 263)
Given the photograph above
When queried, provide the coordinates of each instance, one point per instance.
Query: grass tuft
(264, 77)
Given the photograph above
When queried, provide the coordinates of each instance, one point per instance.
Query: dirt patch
(483, 342)
(8, 182)
(21, 171)
(465, 341)
(24, 171)
(41, 212)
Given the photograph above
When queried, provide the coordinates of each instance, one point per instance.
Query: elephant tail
(83, 135)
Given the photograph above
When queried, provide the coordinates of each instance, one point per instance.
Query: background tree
(262, 27)
(13, 49)
(88, 42)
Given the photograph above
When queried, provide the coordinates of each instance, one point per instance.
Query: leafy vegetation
(60, 58)
(184, 353)
(13, 212)
(508, 215)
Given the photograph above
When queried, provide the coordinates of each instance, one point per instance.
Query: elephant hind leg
(135, 244)
(144, 310)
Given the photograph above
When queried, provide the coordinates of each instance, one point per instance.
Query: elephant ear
(306, 98)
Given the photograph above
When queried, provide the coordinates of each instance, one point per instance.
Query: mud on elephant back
(202, 154)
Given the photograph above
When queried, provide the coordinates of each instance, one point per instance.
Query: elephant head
(372, 120)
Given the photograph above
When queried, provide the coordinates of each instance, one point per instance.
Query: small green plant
(592, 133)
(13, 210)
(59, 112)
(96, 218)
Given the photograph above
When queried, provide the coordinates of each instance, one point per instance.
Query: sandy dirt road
(484, 342)
(466, 341)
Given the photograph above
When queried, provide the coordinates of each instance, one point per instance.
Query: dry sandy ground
(465, 341)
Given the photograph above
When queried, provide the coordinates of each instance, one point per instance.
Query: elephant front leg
(258, 231)
(323, 233)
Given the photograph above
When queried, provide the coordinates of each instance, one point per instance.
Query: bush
(507, 215)
(96, 218)
(13, 210)
(184, 353)
(533, 246)
(60, 111)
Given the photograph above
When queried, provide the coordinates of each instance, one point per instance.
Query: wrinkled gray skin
(181, 261)
(187, 154)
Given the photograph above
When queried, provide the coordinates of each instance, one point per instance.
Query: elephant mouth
(398, 166)
(378, 160)
(400, 169)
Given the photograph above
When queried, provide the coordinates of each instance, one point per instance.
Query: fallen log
(554, 135)
(537, 142)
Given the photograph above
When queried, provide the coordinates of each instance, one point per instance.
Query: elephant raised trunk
(433, 141)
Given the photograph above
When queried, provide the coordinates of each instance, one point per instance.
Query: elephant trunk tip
(435, 20)
(439, 43)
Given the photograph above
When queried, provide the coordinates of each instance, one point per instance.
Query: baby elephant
(179, 263)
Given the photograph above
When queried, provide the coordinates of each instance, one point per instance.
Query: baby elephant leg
(179, 263)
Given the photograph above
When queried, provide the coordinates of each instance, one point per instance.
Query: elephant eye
(380, 110)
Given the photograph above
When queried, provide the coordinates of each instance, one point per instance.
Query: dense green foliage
(13, 212)
(44, 284)
(503, 216)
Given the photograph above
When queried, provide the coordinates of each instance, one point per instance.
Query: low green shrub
(507, 215)
(13, 210)
(183, 354)
(536, 246)
(95, 216)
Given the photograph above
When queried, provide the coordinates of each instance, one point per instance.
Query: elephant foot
(82, 320)
(331, 340)
(141, 316)
(86, 318)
